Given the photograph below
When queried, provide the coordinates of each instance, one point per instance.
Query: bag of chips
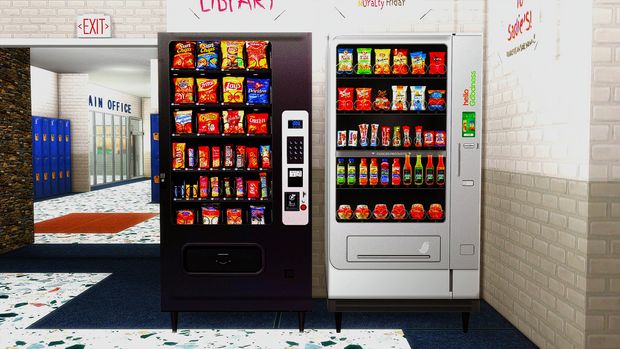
(418, 63)
(362, 101)
(209, 123)
(228, 188)
(215, 187)
(252, 154)
(257, 54)
(436, 100)
(418, 98)
(258, 91)
(363, 61)
(207, 55)
(191, 157)
(438, 63)
(185, 217)
(345, 61)
(264, 190)
(265, 155)
(207, 90)
(233, 121)
(240, 159)
(233, 89)
(382, 61)
(210, 214)
(233, 216)
(345, 98)
(229, 156)
(381, 101)
(183, 90)
(399, 66)
(257, 215)
(203, 156)
(232, 55)
(183, 121)
(258, 123)
(183, 55)
(216, 161)
(204, 186)
(253, 189)
(399, 97)
(240, 187)
(178, 155)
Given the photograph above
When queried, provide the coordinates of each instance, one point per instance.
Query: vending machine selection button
(303, 207)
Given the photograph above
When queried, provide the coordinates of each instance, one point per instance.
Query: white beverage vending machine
(404, 173)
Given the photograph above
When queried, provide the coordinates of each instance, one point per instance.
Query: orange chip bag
(257, 54)
(183, 55)
(178, 155)
(207, 90)
(209, 123)
(232, 55)
(183, 90)
(233, 89)
(257, 123)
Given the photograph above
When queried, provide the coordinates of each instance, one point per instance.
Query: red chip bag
(203, 156)
(207, 90)
(257, 123)
(185, 217)
(438, 63)
(257, 54)
(345, 98)
(183, 55)
(209, 123)
(253, 189)
(233, 121)
(252, 154)
(183, 90)
(183, 121)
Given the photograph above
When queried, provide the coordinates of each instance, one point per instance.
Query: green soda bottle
(341, 172)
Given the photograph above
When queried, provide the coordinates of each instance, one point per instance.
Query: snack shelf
(393, 112)
(221, 200)
(219, 106)
(363, 153)
(408, 220)
(390, 77)
(219, 136)
(222, 170)
(220, 72)
(389, 187)
(389, 149)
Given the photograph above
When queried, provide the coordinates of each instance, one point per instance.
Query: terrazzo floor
(133, 197)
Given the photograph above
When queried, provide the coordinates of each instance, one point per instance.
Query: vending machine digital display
(403, 175)
(235, 177)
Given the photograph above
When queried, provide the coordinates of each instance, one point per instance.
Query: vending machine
(235, 173)
(403, 175)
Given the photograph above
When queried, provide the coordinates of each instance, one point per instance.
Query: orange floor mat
(95, 223)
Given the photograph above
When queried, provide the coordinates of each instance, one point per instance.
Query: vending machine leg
(338, 321)
(174, 317)
(302, 320)
(465, 318)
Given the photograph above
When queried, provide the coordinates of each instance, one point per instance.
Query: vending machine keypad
(295, 150)
(296, 168)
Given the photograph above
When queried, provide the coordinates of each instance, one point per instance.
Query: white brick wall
(73, 105)
(56, 18)
(44, 95)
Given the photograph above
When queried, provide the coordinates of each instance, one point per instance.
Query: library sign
(520, 33)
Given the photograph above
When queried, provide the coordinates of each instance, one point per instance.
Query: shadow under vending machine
(404, 173)
(235, 172)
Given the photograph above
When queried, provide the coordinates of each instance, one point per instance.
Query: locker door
(36, 156)
(37, 165)
(45, 130)
(46, 176)
(155, 157)
(67, 144)
(60, 139)
(53, 156)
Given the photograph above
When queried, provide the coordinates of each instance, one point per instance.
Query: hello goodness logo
(380, 4)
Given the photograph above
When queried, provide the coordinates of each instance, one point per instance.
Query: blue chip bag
(258, 91)
(207, 55)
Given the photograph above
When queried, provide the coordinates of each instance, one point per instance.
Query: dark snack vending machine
(404, 173)
(235, 154)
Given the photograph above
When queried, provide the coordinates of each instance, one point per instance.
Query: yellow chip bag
(233, 89)
(232, 55)
(382, 61)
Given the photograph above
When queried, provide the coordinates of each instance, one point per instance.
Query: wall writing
(235, 5)
(521, 35)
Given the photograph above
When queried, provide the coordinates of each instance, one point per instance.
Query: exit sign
(94, 26)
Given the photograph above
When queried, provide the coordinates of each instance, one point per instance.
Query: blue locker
(46, 176)
(37, 164)
(54, 175)
(45, 130)
(60, 139)
(53, 134)
(36, 136)
(155, 158)
(67, 156)
(36, 154)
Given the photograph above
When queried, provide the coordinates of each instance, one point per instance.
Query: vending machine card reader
(295, 167)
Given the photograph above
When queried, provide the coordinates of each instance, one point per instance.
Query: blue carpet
(129, 298)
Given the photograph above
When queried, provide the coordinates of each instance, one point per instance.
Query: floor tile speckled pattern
(225, 339)
(26, 298)
(134, 197)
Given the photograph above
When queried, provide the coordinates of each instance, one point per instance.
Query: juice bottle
(407, 171)
(418, 171)
(385, 172)
(441, 172)
(363, 172)
(429, 178)
(374, 172)
(341, 172)
(396, 172)
(351, 172)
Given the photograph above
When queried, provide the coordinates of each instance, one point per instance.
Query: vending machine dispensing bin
(403, 175)
(235, 174)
